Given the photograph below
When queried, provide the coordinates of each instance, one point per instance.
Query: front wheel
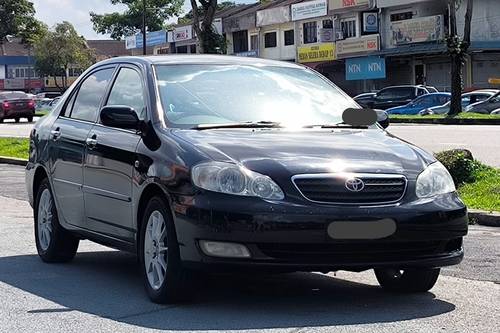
(30, 119)
(17, 120)
(165, 280)
(53, 242)
(407, 280)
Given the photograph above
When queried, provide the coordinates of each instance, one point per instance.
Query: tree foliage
(59, 49)
(17, 19)
(188, 17)
(119, 25)
(209, 41)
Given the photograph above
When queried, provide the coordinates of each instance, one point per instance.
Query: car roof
(203, 59)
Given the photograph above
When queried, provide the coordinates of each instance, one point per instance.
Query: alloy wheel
(45, 218)
(155, 250)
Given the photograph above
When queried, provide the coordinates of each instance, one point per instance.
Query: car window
(421, 101)
(495, 99)
(127, 90)
(432, 89)
(90, 94)
(396, 92)
(14, 95)
(421, 91)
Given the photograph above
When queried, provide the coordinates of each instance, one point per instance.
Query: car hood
(309, 151)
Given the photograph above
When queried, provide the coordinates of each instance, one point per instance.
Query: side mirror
(120, 116)
(382, 118)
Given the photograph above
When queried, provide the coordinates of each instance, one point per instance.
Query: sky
(77, 12)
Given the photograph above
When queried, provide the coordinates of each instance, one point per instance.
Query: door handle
(91, 142)
(55, 134)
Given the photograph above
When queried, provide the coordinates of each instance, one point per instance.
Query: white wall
(485, 20)
(280, 52)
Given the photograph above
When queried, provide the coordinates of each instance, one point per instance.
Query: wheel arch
(39, 175)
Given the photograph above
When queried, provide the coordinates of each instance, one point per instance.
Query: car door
(492, 104)
(68, 144)
(109, 165)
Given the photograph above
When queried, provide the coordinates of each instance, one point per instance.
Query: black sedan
(213, 162)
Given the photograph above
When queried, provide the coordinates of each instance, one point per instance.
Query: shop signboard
(365, 68)
(316, 53)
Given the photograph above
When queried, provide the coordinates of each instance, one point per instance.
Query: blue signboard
(152, 38)
(365, 68)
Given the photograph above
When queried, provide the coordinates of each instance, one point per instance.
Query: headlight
(233, 179)
(434, 180)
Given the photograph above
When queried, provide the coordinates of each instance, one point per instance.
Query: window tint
(398, 92)
(270, 39)
(90, 94)
(289, 37)
(127, 90)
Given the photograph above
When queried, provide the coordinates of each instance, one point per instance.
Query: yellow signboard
(316, 53)
(494, 81)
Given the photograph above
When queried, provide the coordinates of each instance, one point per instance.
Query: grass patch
(14, 147)
(463, 115)
(484, 193)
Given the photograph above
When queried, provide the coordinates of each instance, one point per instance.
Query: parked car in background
(144, 155)
(486, 106)
(16, 105)
(396, 96)
(361, 99)
(51, 95)
(421, 103)
(467, 99)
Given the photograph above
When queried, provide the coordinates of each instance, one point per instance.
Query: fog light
(225, 250)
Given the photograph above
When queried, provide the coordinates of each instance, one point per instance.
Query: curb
(444, 121)
(13, 160)
(482, 217)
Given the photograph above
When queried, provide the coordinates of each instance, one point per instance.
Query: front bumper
(294, 236)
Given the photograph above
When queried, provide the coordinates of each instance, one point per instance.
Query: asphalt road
(101, 291)
(483, 141)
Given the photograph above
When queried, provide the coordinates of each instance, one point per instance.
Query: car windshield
(13, 95)
(193, 95)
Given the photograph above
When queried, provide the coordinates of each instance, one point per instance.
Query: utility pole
(144, 27)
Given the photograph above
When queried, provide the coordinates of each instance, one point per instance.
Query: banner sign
(309, 9)
(316, 53)
(365, 68)
(422, 29)
(341, 4)
(271, 16)
(152, 38)
(183, 33)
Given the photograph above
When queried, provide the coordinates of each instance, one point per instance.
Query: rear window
(397, 92)
(13, 95)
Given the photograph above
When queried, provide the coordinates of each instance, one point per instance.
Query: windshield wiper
(335, 125)
(248, 124)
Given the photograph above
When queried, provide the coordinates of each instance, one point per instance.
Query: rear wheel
(17, 120)
(1, 120)
(407, 280)
(30, 119)
(53, 243)
(165, 280)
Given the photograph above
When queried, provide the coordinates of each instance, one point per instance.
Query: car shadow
(108, 284)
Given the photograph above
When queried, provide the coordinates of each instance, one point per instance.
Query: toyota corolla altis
(199, 162)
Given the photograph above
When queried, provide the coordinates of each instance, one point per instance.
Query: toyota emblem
(354, 184)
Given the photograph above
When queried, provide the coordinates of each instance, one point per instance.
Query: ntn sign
(340, 4)
(365, 68)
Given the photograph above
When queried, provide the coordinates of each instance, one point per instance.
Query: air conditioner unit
(339, 35)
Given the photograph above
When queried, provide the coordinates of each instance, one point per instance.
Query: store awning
(411, 49)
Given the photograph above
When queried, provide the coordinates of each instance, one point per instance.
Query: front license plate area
(376, 229)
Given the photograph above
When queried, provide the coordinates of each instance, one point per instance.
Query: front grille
(352, 251)
(331, 188)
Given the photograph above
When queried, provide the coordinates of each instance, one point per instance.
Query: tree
(119, 25)
(16, 18)
(457, 49)
(59, 49)
(209, 41)
(188, 18)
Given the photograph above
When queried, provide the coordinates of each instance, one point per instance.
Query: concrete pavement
(482, 140)
(101, 291)
(9, 128)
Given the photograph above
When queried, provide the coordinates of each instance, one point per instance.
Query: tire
(408, 280)
(30, 119)
(1, 120)
(17, 120)
(53, 242)
(159, 252)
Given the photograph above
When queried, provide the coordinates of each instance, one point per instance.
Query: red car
(16, 105)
